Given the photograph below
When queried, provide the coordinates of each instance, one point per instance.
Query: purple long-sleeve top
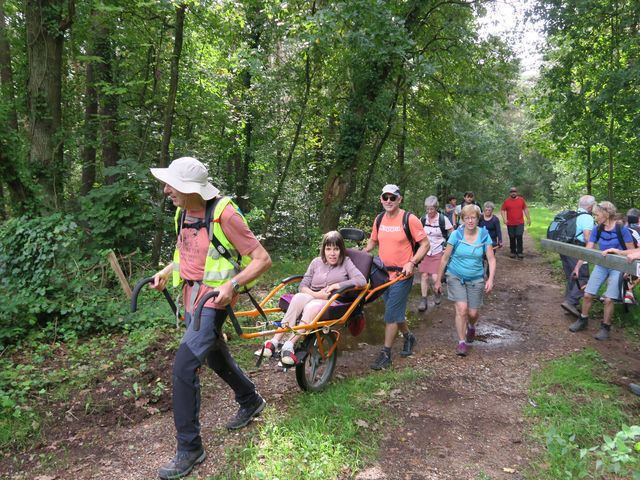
(320, 275)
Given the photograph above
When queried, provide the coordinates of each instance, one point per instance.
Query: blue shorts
(601, 274)
(395, 301)
(470, 292)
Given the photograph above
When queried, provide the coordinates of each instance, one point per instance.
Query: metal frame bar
(615, 262)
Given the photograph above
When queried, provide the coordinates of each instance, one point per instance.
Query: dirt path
(462, 419)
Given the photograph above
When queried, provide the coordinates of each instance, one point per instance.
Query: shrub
(47, 284)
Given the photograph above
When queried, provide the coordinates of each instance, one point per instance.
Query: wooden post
(116, 268)
(615, 262)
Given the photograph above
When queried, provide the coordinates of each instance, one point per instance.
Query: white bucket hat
(187, 175)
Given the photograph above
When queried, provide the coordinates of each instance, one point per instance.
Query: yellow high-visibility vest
(217, 268)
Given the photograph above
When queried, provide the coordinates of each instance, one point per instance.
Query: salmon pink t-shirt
(394, 247)
(194, 246)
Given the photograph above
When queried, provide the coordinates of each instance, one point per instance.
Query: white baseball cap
(187, 175)
(391, 188)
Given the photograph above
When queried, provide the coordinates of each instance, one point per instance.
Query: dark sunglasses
(386, 198)
(514, 191)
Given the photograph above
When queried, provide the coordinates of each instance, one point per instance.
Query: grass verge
(322, 436)
(582, 422)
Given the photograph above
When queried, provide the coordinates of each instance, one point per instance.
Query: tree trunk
(353, 126)
(45, 27)
(255, 24)
(168, 121)
(364, 194)
(88, 154)
(402, 142)
(9, 171)
(108, 102)
(294, 143)
(589, 171)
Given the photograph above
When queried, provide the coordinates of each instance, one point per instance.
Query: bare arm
(260, 263)
(443, 264)
(581, 262)
(503, 214)
(491, 258)
(411, 265)
(526, 214)
(161, 278)
(371, 244)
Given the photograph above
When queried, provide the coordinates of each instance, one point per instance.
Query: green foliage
(575, 407)
(120, 216)
(47, 286)
(324, 434)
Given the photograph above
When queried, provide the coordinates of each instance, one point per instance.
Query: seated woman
(326, 274)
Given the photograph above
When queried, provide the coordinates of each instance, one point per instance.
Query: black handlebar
(198, 312)
(136, 292)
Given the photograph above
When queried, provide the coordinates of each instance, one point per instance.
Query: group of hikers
(216, 251)
(610, 233)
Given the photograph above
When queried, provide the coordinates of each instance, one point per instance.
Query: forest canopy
(301, 110)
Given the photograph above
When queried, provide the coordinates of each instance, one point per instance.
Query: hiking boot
(461, 349)
(409, 343)
(437, 298)
(635, 388)
(383, 361)
(603, 333)
(246, 414)
(471, 334)
(182, 464)
(580, 324)
(422, 306)
(570, 308)
(512, 255)
(520, 256)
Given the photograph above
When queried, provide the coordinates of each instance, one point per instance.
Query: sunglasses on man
(387, 197)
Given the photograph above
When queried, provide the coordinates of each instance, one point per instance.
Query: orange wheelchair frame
(317, 351)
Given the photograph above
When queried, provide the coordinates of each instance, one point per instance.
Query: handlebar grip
(198, 312)
(136, 292)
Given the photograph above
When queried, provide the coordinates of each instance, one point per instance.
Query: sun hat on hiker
(391, 188)
(187, 175)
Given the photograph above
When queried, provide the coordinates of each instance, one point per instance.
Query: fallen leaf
(508, 470)
(362, 423)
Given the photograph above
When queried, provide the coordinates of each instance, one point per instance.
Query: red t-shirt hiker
(513, 211)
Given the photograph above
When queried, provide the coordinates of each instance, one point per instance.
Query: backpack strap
(618, 229)
(441, 224)
(215, 241)
(623, 245)
(405, 227)
(379, 221)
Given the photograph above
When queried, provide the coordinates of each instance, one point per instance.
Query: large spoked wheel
(318, 365)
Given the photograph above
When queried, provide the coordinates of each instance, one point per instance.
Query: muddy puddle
(488, 333)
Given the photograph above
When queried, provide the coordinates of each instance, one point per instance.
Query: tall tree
(168, 116)
(46, 22)
(9, 157)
